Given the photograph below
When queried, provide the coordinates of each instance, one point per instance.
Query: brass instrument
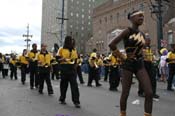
(118, 54)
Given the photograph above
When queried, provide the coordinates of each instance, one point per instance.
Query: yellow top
(69, 57)
(32, 56)
(100, 62)
(23, 60)
(148, 54)
(2, 60)
(44, 60)
(114, 60)
(93, 60)
(79, 61)
(13, 61)
(171, 56)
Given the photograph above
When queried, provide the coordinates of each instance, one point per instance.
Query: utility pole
(62, 22)
(157, 9)
(27, 37)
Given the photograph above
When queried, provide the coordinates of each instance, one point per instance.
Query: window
(118, 15)
(111, 17)
(89, 11)
(71, 26)
(82, 28)
(77, 2)
(82, 10)
(106, 19)
(100, 21)
(82, 16)
(141, 6)
(89, 17)
(77, 15)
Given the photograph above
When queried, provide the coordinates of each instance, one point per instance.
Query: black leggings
(144, 80)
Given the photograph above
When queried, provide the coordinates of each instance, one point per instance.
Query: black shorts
(133, 65)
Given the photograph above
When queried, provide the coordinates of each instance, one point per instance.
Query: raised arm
(116, 40)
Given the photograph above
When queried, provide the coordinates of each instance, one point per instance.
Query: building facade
(78, 24)
(112, 15)
(51, 24)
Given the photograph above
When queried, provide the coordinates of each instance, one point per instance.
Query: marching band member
(43, 60)
(33, 68)
(23, 59)
(93, 69)
(171, 66)
(2, 60)
(79, 72)
(114, 74)
(13, 66)
(55, 67)
(67, 56)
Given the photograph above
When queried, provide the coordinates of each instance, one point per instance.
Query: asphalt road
(18, 100)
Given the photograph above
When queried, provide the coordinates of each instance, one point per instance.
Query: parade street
(18, 100)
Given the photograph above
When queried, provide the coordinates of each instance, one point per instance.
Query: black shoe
(98, 85)
(170, 89)
(50, 93)
(82, 82)
(31, 87)
(141, 95)
(62, 102)
(23, 83)
(36, 87)
(77, 105)
(40, 92)
(105, 80)
(156, 96)
(89, 85)
(113, 89)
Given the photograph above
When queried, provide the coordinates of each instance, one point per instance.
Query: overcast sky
(14, 17)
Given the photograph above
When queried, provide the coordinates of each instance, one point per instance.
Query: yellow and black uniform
(24, 67)
(114, 74)
(44, 64)
(171, 66)
(55, 68)
(33, 68)
(68, 74)
(149, 66)
(100, 65)
(93, 70)
(106, 63)
(79, 72)
(13, 68)
(2, 60)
